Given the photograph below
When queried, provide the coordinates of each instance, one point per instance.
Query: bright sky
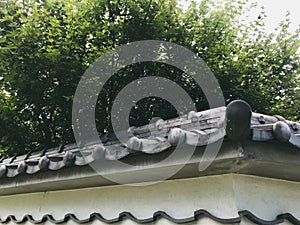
(275, 10)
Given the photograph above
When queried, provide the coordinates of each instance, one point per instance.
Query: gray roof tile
(195, 128)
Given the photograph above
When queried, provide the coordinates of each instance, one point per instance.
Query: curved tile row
(56, 160)
(166, 134)
(196, 129)
(156, 216)
(46, 162)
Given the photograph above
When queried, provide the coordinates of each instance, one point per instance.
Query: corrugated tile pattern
(156, 216)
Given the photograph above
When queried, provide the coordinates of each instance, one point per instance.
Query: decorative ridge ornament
(238, 120)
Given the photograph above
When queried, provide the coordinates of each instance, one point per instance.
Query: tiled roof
(236, 122)
(156, 216)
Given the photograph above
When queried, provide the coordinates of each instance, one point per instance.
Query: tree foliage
(45, 47)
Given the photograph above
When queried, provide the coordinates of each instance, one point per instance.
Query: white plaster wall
(223, 196)
(179, 198)
(266, 197)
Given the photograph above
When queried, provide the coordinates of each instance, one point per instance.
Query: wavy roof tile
(156, 216)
